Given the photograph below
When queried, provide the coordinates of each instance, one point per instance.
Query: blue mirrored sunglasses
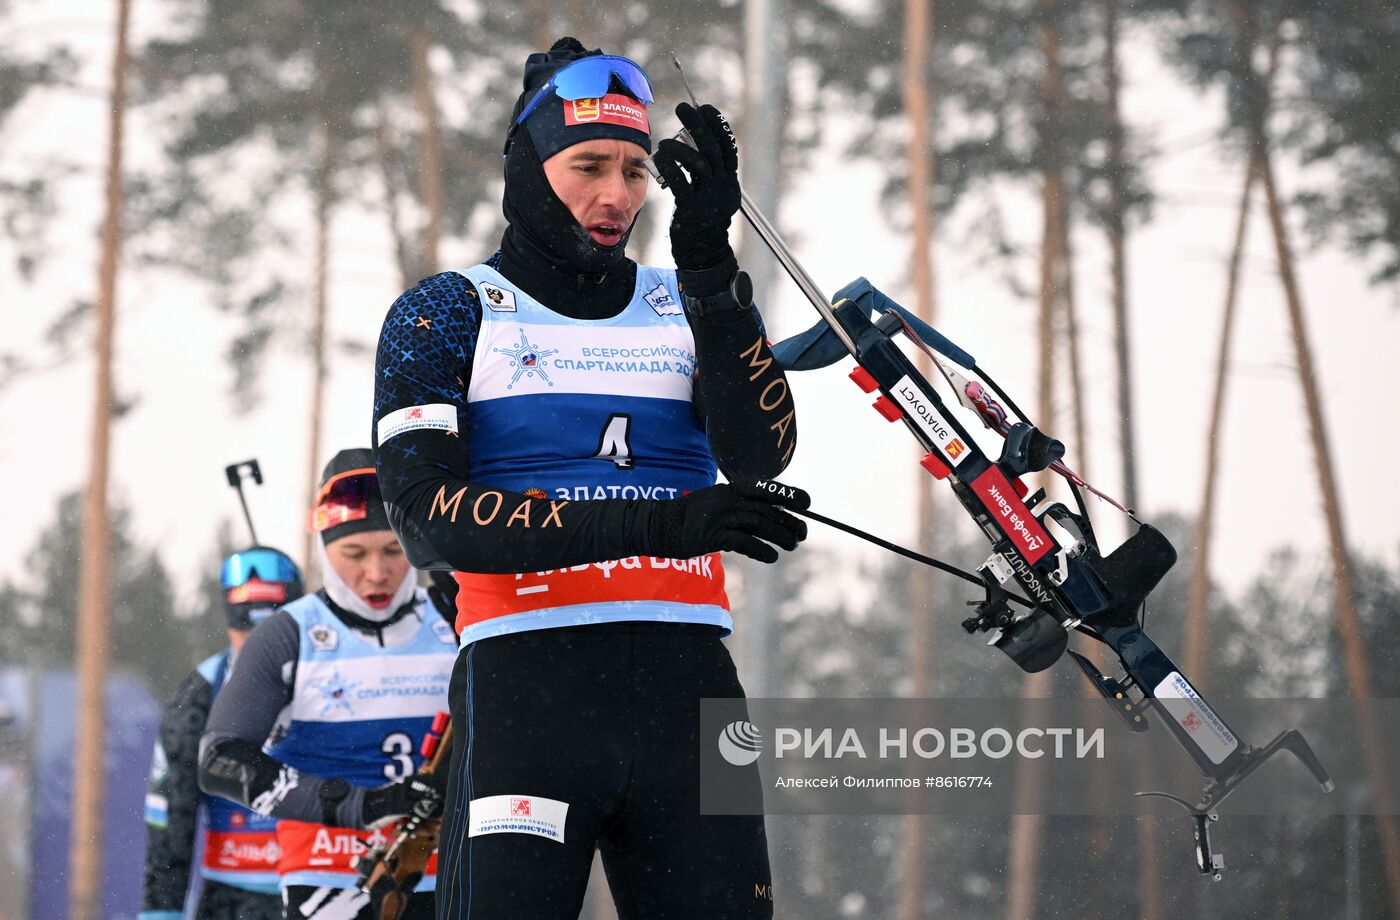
(589, 78)
(260, 563)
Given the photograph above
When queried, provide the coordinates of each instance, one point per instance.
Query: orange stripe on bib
(698, 581)
(308, 847)
(242, 851)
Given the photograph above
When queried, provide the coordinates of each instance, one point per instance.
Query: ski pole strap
(807, 351)
(819, 346)
(901, 551)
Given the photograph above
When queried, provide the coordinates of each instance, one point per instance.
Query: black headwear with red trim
(542, 239)
(355, 464)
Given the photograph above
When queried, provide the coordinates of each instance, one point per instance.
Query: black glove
(396, 800)
(443, 593)
(738, 518)
(706, 201)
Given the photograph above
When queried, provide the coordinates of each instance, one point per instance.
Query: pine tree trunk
(1148, 838)
(577, 13)
(1358, 669)
(1096, 827)
(384, 154)
(915, 829)
(429, 152)
(764, 50)
(764, 117)
(1354, 659)
(1194, 647)
(541, 13)
(1023, 869)
(94, 579)
(320, 296)
(1118, 257)
(1023, 856)
(1068, 309)
(1053, 218)
(1023, 860)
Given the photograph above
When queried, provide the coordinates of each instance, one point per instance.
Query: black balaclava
(544, 249)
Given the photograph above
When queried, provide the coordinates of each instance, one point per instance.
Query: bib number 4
(615, 442)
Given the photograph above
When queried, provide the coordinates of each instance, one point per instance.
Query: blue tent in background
(42, 710)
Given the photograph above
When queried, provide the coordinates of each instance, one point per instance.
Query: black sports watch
(332, 793)
(739, 296)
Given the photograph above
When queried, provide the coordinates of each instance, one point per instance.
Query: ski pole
(774, 241)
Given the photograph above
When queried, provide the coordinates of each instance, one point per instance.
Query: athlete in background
(320, 725)
(239, 848)
(549, 424)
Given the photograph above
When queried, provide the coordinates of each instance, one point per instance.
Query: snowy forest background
(278, 155)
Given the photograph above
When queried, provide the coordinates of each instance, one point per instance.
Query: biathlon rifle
(1039, 546)
(234, 473)
(388, 874)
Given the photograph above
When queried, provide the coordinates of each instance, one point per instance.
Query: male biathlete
(239, 847)
(320, 724)
(549, 424)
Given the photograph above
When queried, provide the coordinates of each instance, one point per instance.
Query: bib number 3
(398, 747)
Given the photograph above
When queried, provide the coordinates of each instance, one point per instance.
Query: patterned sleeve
(743, 394)
(420, 437)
